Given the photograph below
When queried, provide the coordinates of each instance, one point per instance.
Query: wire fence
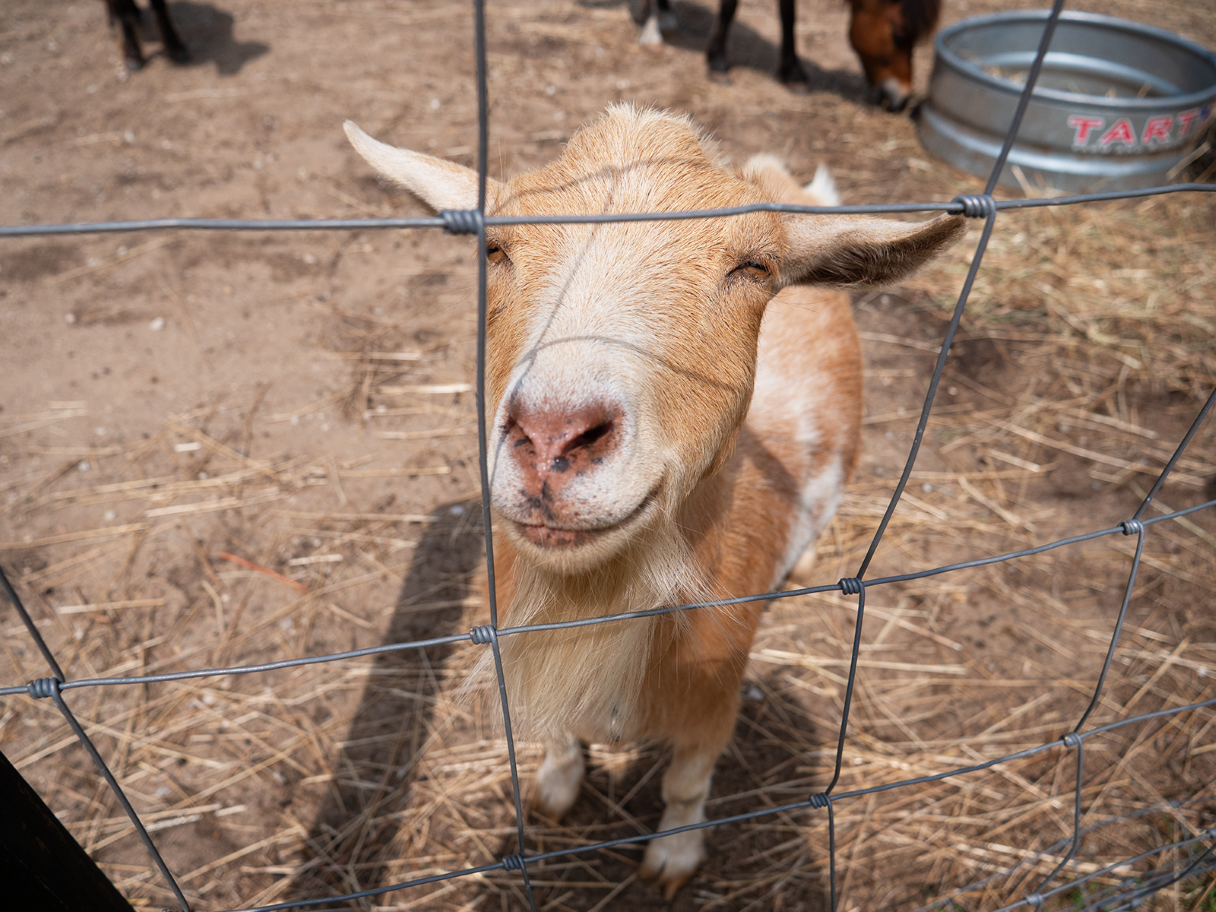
(1128, 892)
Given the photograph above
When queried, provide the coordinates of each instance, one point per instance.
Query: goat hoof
(671, 860)
(179, 55)
(553, 800)
(134, 64)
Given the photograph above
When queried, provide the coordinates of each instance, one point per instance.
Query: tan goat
(659, 432)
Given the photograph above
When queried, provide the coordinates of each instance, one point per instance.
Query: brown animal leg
(174, 48)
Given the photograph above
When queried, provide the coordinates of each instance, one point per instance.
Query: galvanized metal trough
(1118, 105)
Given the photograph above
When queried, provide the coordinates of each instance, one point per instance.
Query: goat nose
(547, 442)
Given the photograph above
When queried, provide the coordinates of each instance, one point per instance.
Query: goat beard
(586, 681)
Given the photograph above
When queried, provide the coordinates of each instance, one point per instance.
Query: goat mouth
(554, 537)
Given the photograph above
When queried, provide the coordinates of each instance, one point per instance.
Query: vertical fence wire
(973, 207)
(515, 862)
(475, 222)
(50, 687)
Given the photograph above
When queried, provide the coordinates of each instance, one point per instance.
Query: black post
(42, 866)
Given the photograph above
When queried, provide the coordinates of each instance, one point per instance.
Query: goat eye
(755, 269)
(496, 254)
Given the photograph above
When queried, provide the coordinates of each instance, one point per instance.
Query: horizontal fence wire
(456, 226)
(480, 635)
(1128, 893)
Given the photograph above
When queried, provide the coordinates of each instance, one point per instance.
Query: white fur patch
(823, 187)
(652, 32)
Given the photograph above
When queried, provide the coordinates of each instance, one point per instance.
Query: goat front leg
(559, 777)
(673, 859)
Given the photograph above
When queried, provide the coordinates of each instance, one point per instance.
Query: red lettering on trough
(1185, 119)
(1083, 126)
(1157, 129)
(1120, 132)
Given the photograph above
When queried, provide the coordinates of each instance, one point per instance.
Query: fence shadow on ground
(388, 730)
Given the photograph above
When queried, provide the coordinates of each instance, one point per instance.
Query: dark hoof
(134, 64)
(718, 64)
(178, 54)
(794, 78)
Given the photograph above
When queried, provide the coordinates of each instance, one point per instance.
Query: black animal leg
(715, 54)
(127, 15)
(791, 72)
(174, 47)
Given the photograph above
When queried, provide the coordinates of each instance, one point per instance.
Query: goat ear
(440, 184)
(844, 250)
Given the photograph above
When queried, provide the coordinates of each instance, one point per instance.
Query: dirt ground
(229, 448)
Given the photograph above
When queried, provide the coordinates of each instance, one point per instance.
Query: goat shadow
(612, 805)
(356, 823)
(744, 47)
(207, 32)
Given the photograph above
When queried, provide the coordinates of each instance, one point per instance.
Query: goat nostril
(589, 437)
(552, 442)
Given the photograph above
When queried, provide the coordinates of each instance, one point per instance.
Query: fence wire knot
(975, 205)
(43, 687)
(1072, 739)
(482, 635)
(851, 585)
(820, 801)
(462, 221)
(1131, 526)
(513, 863)
(1034, 899)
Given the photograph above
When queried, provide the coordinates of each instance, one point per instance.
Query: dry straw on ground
(1056, 402)
(1082, 357)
